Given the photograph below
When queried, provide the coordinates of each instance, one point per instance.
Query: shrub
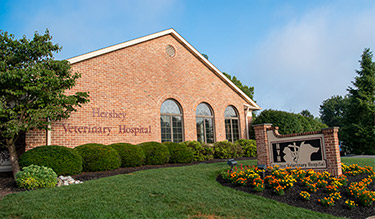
(63, 160)
(208, 152)
(226, 149)
(34, 176)
(156, 153)
(98, 157)
(248, 146)
(179, 153)
(131, 155)
(197, 150)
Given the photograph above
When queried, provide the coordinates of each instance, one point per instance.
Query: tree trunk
(13, 156)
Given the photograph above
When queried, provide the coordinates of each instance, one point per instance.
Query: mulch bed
(291, 197)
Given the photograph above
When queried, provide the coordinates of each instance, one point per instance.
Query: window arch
(232, 133)
(205, 123)
(171, 122)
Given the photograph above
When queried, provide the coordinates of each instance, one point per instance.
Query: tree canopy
(306, 113)
(33, 87)
(332, 111)
(249, 91)
(358, 129)
(289, 123)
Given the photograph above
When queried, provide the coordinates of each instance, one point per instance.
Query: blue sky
(295, 53)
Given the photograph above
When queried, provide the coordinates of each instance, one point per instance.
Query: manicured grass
(360, 161)
(180, 192)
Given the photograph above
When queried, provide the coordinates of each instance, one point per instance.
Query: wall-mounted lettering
(86, 129)
(96, 112)
(93, 129)
(134, 130)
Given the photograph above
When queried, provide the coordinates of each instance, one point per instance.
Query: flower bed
(346, 195)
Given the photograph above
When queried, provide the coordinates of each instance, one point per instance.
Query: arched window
(205, 123)
(232, 133)
(171, 122)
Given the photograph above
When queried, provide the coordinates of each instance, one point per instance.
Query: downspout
(48, 137)
(247, 121)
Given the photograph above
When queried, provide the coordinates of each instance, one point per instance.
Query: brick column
(331, 141)
(263, 154)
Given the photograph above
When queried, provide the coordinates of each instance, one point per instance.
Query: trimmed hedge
(63, 160)
(248, 146)
(156, 153)
(200, 151)
(131, 155)
(98, 157)
(208, 152)
(179, 153)
(196, 148)
(226, 149)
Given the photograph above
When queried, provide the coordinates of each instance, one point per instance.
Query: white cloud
(310, 59)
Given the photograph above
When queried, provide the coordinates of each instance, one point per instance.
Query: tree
(359, 117)
(204, 55)
(33, 87)
(289, 123)
(306, 113)
(249, 91)
(332, 111)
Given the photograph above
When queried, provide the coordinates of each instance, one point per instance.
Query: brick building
(154, 88)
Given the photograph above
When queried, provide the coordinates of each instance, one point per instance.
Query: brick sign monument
(312, 150)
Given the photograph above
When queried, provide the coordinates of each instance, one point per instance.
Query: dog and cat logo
(297, 152)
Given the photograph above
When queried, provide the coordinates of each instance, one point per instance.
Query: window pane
(228, 130)
(203, 110)
(165, 125)
(209, 130)
(230, 112)
(177, 129)
(236, 131)
(171, 107)
(200, 130)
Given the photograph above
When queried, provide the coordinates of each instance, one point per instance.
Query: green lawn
(179, 192)
(360, 161)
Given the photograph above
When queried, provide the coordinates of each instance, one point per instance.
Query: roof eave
(171, 31)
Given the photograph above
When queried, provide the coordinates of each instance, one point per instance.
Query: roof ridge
(174, 33)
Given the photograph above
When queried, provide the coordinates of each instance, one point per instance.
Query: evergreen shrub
(208, 151)
(131, 155)
(197, 150)
(64, 161)
(98, 157)
(34, 176)
(248, 146)
(226, 149)
(156, 153)
(179, 153)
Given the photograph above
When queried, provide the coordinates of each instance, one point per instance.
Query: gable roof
(251, 104)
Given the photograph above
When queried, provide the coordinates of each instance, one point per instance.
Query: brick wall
(136, 80)
(330, 141)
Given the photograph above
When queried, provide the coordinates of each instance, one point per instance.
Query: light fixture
(263, 168)
(231, 163)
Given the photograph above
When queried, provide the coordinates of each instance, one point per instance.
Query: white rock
(66, 180)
